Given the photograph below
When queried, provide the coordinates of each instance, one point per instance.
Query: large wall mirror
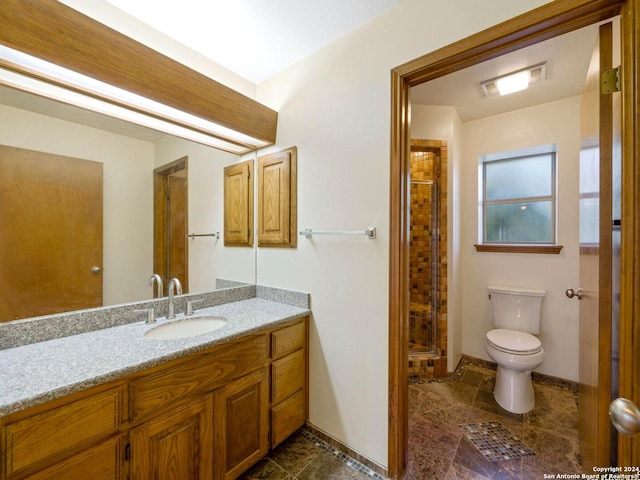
(129, 155)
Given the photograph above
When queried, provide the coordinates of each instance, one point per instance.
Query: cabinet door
(175, 446)
(238, 204)
(241, 425)
(277, 199)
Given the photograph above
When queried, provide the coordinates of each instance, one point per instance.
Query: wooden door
(177, 229)
(596, 273)
(170, 223)
(174, 446)
(50, 233)
(241, 428)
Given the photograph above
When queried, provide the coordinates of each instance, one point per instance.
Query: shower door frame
(438, 256)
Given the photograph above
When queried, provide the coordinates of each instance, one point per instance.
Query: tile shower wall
(428, 260)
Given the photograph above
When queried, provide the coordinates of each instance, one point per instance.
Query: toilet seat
(513, 342)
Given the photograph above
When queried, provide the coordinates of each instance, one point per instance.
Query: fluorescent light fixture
(111, 95)
(515, 81)
(70, 97)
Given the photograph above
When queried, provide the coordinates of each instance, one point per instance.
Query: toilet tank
(516, 308)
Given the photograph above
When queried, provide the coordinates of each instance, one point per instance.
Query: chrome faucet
(158, 281)
(174, 283)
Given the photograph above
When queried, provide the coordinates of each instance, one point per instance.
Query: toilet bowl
(516, 354)
(512, 345)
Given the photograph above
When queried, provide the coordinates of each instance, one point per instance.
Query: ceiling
(254, 38)
(267, 40)
(567, 60)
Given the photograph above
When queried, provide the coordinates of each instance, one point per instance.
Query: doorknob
(625, 416)
(95, 269)
(574, 293)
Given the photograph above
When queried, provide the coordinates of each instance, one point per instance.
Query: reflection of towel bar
(194, 235)
(369, 232)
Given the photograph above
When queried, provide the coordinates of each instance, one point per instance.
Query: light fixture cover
(48, 80)
(514, 81)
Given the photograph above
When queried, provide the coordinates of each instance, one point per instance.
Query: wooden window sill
(548, 249)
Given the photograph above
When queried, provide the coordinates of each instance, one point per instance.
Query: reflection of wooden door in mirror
(50, 233)
(170, 256)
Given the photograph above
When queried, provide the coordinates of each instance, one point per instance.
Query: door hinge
(127, 452)
(610, 81)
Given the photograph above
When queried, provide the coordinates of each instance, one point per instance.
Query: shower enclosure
(427, 260)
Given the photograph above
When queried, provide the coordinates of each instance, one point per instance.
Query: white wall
(335, 106)
(128, 192)
(556, 122)
(208, 258)
(443, 123)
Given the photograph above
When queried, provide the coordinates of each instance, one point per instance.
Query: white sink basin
(188, 327)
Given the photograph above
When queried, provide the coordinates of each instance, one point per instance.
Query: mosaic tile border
(495, 442)
(309, 433)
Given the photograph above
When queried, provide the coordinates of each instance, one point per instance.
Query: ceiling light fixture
(515, 81)
(99, 96)
(32, 85)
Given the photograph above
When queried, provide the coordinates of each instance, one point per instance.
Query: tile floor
(438, 446)
(304, 456)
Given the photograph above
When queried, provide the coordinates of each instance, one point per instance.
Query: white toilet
(516, 316)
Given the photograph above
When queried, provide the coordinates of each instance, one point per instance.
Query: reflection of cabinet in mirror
(238, 204)
(170, 257)
(277, 199)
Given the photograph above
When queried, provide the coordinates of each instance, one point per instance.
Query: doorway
(543, 23)
(170, 226)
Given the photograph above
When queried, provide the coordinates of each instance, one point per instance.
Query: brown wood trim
(548, 249)
(548, 21)
(543, 23)
(629, 447)
(399, 279)
(605, 274)
(59, 34)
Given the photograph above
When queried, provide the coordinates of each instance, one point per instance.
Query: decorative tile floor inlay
(495, 442)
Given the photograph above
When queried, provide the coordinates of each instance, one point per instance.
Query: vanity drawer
(194, 377)
(49, 435)
(98, 463)
(287, 340)
(287, 417)
(287, 376)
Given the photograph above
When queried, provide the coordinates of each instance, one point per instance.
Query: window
(518, 197)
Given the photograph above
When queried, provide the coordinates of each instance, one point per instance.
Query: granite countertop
(36, 373)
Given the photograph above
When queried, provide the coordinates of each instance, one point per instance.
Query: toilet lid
(514, 341)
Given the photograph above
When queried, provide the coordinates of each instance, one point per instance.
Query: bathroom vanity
(206, 407)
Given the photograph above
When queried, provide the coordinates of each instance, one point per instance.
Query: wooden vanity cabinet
(208, 416)
(67, 437)
(175, 445)
(241, 429)
(288, 381)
